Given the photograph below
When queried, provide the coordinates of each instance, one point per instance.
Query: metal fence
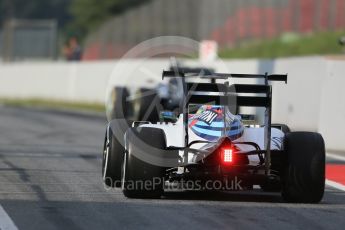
(29, 39)
(229, 22)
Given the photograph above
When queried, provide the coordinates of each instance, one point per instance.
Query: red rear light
(227, 156)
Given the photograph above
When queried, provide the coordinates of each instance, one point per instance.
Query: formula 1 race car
(209, 147)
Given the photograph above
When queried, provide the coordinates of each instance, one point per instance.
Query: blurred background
(93, 30)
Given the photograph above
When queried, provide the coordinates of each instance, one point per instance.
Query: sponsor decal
(208, 116)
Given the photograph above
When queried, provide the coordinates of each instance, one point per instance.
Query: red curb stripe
(336, 172)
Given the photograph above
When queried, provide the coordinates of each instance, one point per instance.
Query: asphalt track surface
(50, 178)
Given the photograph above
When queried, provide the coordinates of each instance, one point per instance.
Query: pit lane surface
(50, 164)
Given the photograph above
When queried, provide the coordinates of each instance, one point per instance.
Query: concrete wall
(1, 43)
(332, 106)
(298, 102)
(84, 82)
(312, 100)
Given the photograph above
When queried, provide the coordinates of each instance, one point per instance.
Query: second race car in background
(163, 97)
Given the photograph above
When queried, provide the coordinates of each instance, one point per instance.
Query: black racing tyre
(304, 167)
(119, 106)
(284, 128)
(113, 154)
(137, 175)
(147, 105)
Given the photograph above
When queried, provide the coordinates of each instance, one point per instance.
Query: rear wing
(207, 73)
(187, 70)
(233, 95)
(229, 95)
(223, 94)
(191, 71)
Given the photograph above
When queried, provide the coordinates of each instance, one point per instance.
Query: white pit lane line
(6, 222)
(331, 183)
(335, 185)
(335, 157)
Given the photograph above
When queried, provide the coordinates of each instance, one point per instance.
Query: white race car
(208, 147)
(168, 95)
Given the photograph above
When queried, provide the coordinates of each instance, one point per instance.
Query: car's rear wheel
(119, 106)
(147, 105)
(142, 179)
(304, 169)
(113, 152)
